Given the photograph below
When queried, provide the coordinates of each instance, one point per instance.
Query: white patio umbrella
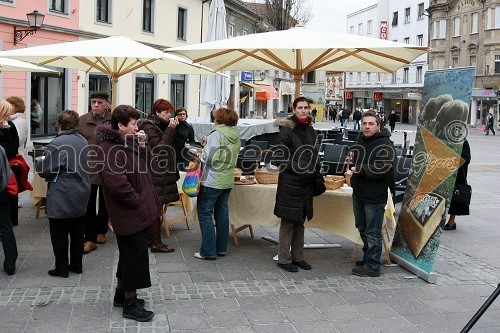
(12, 65)
(299, 51)
(215, 89)
(114, 56)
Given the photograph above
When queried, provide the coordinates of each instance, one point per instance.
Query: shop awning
(267, 93)
(252, 85)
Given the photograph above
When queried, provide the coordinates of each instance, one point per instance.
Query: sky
(331, 15)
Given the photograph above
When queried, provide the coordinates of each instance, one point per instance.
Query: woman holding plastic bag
(218, 159)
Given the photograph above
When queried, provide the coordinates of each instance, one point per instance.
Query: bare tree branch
(284, 14)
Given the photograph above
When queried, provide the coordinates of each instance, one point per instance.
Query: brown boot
(155, 239)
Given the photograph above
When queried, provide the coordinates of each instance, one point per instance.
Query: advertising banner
(442, 129)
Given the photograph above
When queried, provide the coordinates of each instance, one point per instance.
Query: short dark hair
(67, 120)
(372, 114)
(226, 117)
(161, 104)
(122, 114)
(301, 99)
(179, 110)
(100, 95)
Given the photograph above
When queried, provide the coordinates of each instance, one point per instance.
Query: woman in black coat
(185, 134)
(294, 196)
(456, 208)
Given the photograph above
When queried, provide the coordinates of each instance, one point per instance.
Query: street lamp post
(35, 21)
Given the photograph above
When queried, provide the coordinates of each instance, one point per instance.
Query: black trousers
(133, 262)
(95, 223)
(14, 209)
(60, 229)
(8, 238)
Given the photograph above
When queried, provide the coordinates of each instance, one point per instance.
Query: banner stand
(429, 277)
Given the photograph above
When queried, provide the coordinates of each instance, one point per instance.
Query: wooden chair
(386, 241)
(40, 205)
(166, 222)
(235, 232)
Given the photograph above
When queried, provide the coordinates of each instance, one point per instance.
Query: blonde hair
(5, 110)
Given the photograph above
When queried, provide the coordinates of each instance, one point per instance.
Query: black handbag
(462, 194)
(319, 184)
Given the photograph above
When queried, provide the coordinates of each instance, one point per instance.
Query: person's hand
(173, 122)
(142, 138)
(203, 141)
(4, 124)
(353, 169)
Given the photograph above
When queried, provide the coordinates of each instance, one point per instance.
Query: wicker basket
(237, 174)
(334, 182)
(263, 175)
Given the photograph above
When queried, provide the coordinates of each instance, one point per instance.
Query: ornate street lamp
(35, 21)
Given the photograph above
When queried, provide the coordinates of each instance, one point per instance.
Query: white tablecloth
(248, 127)
(333, 212)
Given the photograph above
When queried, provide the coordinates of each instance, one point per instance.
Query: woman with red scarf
(294, 196)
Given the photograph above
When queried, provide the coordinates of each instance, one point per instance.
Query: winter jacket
(22, 128)
(219, 157)
(5, 172)
(87, 126)
(185, 134)
(374, 161)
(19, 182)
(131, 199)
(357, 115)
(160, 140)
(9, 140)
(65, 169)
(294, 196)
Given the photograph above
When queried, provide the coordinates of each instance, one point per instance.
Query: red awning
(267, 93)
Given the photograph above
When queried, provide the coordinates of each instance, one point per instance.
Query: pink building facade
(54, 92)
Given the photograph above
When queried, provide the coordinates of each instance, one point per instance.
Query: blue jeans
(369, 218)
(357, 125)
(213, 202)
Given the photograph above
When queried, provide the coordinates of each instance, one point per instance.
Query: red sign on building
(348, 95)
(383, 30)
(377, 96)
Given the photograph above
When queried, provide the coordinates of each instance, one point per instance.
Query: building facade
(467, 33)
(400, 21)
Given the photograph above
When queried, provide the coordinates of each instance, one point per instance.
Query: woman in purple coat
(132, 203)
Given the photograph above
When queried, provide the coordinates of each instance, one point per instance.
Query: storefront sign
(247, 76)
(383, 30)
(348, 95)
(377, 96)
(395, 96)
(414, 95)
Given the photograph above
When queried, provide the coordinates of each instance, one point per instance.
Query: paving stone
(227, 318)
(259, 317)
(274, 328)
(319, 326)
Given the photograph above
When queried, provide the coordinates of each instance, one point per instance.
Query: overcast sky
(331, 15)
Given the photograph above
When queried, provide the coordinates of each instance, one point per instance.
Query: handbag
(484, 128)
(191, 183)
(462, 194)
(319, 184)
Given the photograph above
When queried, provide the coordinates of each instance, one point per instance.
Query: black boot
(119, 299)
(132, 310)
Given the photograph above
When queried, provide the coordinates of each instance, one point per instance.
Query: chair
(166, 222)
(334, 159)
(247, 159)
(353, 135)
(243, 142)
(339, 137)
(261, 144)
(348, 143)
(331, 133)
(401, 172)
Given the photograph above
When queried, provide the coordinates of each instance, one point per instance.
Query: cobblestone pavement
(246, 292)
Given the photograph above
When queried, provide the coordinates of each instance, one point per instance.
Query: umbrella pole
(297, 79)
(114, 92)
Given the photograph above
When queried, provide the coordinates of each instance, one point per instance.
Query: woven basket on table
(334, 182)
(264, 176)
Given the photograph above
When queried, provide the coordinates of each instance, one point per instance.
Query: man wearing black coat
(372, 173)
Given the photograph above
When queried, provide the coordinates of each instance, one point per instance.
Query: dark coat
(131, 199)
(87, 126)
(456, 208)
(65, 169)
(392, 119)
(294, 196)
(374, 161)
(9, 140)
(160, 140)
(185, 134)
